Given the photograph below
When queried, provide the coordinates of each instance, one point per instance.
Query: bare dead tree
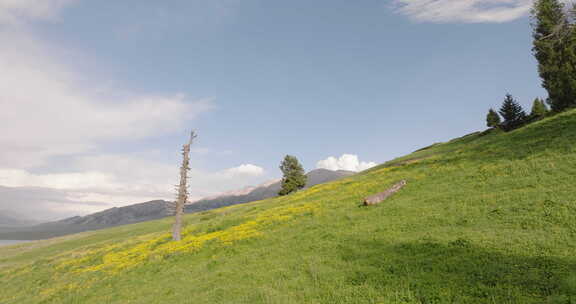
(182, 197)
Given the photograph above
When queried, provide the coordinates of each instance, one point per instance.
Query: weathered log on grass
(378, 198)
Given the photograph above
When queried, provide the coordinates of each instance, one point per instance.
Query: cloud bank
(349, 162)
(49, 112)
(59, 127)
(464, 11)
(110, 181)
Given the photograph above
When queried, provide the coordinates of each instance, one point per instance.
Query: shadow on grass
(459, 272)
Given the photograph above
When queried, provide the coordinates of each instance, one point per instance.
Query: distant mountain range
(154, 210)
(11, 219)
(264, 191)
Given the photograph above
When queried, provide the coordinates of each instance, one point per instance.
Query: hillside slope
(483, 219)
(314, 177)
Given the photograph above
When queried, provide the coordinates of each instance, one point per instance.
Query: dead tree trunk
(182, 190)
(377, 198)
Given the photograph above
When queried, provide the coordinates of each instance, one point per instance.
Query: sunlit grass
(483, 219)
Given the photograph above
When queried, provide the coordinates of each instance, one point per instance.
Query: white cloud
(50, 109)
(44, 204)
(244, 170)
(104, 181)
(347, 162)
(60, 181)
(48, 113)
(56, 122)
(466, 11)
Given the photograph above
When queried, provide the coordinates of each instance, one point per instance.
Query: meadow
(486, 218)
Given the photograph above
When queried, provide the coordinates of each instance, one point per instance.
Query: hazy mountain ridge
(12, 219)
(156, 209)
(121, 215)
(264, 191)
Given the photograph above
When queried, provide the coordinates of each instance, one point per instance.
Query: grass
(486, 218)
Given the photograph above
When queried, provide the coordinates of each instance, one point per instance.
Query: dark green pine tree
(512, 113)
(293, 178)
(571, 54)
(553, 47)
(539, 109)
(492, 119)
(568, 66)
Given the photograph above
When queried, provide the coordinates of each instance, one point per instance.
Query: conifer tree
(571, 54)
(539, 109)
(568, 68)
(553, 47)
(492, 119)
(293, 178)
(512, 113)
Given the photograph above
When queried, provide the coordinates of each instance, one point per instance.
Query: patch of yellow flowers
(49, 292)
(114, 258)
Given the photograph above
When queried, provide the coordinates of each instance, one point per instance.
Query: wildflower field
(486, 218)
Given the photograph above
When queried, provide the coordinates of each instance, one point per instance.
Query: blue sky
(114, 87)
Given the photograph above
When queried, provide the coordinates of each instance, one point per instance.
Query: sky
(98, 96)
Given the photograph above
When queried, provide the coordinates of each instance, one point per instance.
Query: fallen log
(378, 198)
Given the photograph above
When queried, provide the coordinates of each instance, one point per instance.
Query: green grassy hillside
(483, 219)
